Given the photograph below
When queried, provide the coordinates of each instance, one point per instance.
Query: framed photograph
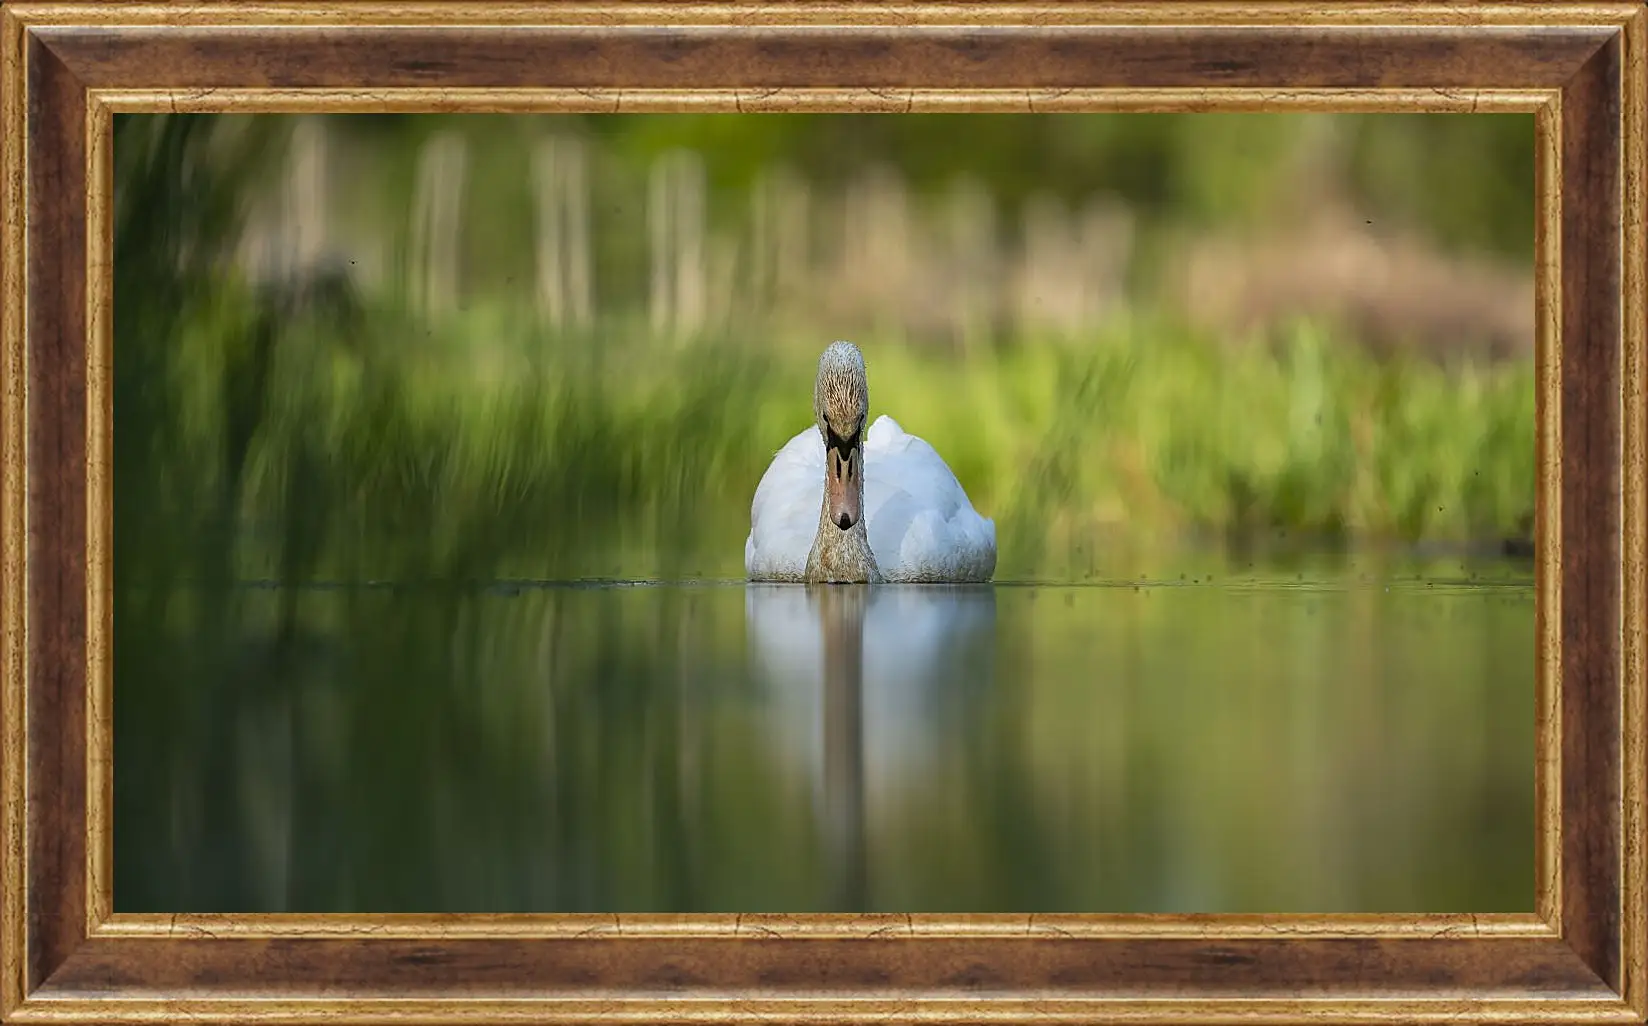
(580, 512)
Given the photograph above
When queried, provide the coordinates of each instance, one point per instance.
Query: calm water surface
(1329, 738)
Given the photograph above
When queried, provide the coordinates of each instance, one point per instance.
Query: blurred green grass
(308, 434)
(534, 447)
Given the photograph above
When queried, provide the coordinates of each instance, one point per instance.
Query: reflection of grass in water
(529, 748)
(614, 749)
(389, 448)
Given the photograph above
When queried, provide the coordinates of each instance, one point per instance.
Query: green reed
(302, 430)
(495, 444)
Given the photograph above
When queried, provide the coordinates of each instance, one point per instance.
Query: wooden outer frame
(65, 68)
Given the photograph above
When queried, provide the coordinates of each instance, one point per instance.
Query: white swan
(841, 505)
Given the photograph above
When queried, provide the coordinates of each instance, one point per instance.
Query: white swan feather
(922, 528)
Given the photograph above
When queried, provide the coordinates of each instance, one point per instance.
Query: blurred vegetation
(1198, 170)
(303, 420)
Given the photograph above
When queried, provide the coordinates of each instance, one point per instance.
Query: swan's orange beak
(843, 486)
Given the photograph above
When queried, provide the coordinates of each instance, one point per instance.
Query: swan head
(841, 403)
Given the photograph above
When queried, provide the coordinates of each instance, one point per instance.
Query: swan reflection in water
(868, 686)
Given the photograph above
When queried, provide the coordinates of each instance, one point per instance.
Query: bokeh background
(360, 356)
(1146, 326)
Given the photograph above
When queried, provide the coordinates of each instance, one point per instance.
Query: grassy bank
(485, 444)
(316, 434)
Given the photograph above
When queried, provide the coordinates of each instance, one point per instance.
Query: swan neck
(842, 557)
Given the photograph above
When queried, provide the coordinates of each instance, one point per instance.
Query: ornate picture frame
(1581, 956)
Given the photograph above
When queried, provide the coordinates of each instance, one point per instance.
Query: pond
(1335, 734)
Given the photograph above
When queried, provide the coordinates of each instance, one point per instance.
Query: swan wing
(784, 512)
(923, 528)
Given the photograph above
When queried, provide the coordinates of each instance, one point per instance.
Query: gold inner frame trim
(1548, 513)
(102, 104)
(99, 517)
(821, 101)
(526, 925)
